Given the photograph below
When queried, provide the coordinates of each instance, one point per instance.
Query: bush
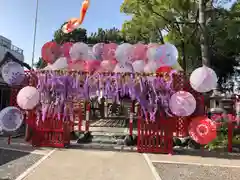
(221, 140)
(177, 141)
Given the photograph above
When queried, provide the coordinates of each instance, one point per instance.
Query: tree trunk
(184, 63)
(161, 36)
(204, 35)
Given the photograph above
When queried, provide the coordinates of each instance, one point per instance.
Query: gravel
(13, 163)
(194, 172)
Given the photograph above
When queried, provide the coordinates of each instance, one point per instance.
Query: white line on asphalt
(152, 168)
(197, 164)
(20, 144)
(24, 151)
(34, 166)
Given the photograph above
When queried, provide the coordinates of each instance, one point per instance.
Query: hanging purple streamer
(152, 93)
(86, 88)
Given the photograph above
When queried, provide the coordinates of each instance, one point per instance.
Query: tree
(180, 19)
(138, 30)
(106, 36)
(40, 64)
(158, 16)
(203, 4)
(204, 35)
(224, 33)
(78, 35)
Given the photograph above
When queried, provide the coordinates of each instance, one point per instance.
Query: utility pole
(34, 34)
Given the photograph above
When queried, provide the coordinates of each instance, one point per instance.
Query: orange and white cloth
(74, 23)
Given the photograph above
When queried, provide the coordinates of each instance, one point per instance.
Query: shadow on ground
(10, 155)
(17, 149)
(14, 162)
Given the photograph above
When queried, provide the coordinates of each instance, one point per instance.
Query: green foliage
(40, 64)
(78, 35)
(158, 17)
(179, 21)
(106, 36)
(222, 139)
(177, 141)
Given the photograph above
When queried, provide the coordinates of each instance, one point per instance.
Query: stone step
(104, 140)
(107, 147)
(110, 118)
(113, 133)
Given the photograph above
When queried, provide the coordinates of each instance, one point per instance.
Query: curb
(205, 153)
(177, 151)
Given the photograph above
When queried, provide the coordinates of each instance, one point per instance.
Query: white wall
(6, 46)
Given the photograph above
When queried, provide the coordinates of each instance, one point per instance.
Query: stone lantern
(228, 101)
(216, 106)
(215, 99)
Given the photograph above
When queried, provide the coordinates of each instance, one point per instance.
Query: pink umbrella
(50, 52)
(108, 65)
(76, 65)
(139, 52)
(91, 65)
(109, 51)
(65, 48)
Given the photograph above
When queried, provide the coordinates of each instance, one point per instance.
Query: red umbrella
(166, 69)
(91, 65)
(50, 52)
(109, 51)
(65, 48)
(76, 65)
(202, 130)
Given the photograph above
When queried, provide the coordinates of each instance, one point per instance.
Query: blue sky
(17, 19)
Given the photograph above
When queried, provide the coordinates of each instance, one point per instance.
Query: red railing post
(230, 133)
(87, 116)
(9, 140)
(139, 135)
(131, 118)
(80, 117)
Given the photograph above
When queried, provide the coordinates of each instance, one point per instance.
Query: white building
(7, 46)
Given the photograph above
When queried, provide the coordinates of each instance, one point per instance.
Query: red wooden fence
(153, 137)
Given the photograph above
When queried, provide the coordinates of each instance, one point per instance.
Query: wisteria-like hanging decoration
(58, 90)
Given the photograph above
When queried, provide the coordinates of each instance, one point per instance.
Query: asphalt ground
(197, 167)
(20, 161)
(169, 171)
(13, 163)
(17, 157)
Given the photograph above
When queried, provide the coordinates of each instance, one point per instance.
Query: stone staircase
(109, 131)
